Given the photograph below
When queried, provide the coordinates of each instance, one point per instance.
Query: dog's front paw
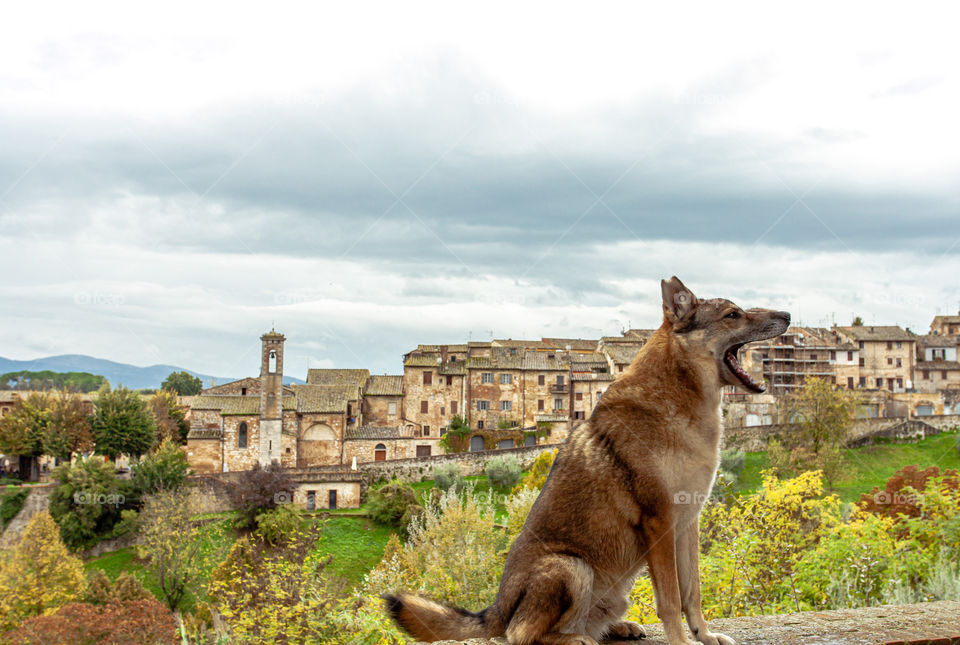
(715, 638)
(626, 630)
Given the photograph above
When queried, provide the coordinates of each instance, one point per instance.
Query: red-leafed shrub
(132, 622)
(894, 500)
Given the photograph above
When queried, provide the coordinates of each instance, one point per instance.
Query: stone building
(946, 325)
(887, 358)
(337, 415)
(786, 361)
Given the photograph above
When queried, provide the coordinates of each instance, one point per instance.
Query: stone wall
(470, 463)
(925, 623)
(211, 494)
(755, 438)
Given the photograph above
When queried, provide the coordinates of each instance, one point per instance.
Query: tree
(183, 383)
(48, 380)
(40, 575)
(503, 472)
(262, 490)
(170, 417)
(822, 415)
(394, 504)
(165, 469)
(857, 321)
(130, 622)
(22, 432)
(169, 538)
(122, 424)
(69, 429)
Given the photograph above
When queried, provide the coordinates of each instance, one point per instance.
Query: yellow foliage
(537, 477)
(40, 575)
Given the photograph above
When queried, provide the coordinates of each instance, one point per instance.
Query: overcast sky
(369, 177)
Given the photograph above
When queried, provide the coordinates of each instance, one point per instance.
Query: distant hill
(132, 376)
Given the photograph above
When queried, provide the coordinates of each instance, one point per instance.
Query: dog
(625, 491)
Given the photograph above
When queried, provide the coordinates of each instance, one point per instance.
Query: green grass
(356, 545)
(869, 466)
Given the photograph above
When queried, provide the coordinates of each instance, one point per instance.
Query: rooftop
(876, 333)
(384, 385)
(356, 378)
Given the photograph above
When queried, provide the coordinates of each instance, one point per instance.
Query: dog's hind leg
(556, 601)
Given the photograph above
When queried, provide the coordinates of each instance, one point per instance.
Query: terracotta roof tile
(372, 432)
(384, 385)
(355, 378)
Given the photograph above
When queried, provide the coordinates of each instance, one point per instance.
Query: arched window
(380, 452)
(476, 443)
(272, 368)
(242, 435)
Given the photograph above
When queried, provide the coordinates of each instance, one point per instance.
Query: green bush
(447, 475)
(165, 469)
(11, 504)
(87, 501)
(101, 591)
(733, 462)
(503, 472)
(390, 503)
(263, 489)
(278, 524)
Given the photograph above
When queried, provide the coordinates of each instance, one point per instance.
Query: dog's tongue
(741, 374)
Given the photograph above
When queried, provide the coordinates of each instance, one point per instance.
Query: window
(889, 361)
(480, 425)
(424, 407)
(540, 404)
(943, 374)
(486, 377)
(453, 407)
(578, 414)
(243, 391)
(423, 451)
(863, 381)
(578, 396)
(427, 378)
(506, 379)
(899, 382)
(813, 356)
(426, 431)
(879, 382)
(541, 380)
(506, 405)
(889, 345)
(833, 355)
(899, 362)
(558, 404)
(242, 435)
(926, 375)
(860, 344)
(861, 363)
(453, 359)
(513, 351)
(849, 382)
(599, 394)
(619, 368)
(449, 380)
(850, 356)
(899, 345)
(273, 362)
(483, 405)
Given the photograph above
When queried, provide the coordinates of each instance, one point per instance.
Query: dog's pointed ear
(678, 301)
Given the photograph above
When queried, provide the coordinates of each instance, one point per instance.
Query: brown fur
(625, 492)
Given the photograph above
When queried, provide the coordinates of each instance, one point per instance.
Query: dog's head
(718, 328)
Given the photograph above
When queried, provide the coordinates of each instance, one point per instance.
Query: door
(311, 500)
(423, 451)
(476, 444)
(380, 452)
(333, 500)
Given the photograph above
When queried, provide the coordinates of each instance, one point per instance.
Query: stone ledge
(932, 623)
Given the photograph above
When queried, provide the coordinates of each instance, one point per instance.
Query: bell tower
(271, 396)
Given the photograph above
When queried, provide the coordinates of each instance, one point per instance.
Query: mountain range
(132, 376)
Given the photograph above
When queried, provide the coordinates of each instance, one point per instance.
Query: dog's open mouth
(730, 360)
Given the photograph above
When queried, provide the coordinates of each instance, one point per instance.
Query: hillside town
(513, 393)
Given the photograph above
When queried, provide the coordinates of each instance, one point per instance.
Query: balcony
(559, 388)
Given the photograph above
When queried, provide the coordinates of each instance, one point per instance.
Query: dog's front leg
(688, 574)
(660, 534)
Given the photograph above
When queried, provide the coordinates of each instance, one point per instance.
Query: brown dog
(625, 491)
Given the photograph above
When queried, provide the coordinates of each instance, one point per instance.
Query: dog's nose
(785, 315)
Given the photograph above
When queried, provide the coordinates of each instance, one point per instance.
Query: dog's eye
(733, 314)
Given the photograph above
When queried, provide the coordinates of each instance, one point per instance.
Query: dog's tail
(427, 620)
